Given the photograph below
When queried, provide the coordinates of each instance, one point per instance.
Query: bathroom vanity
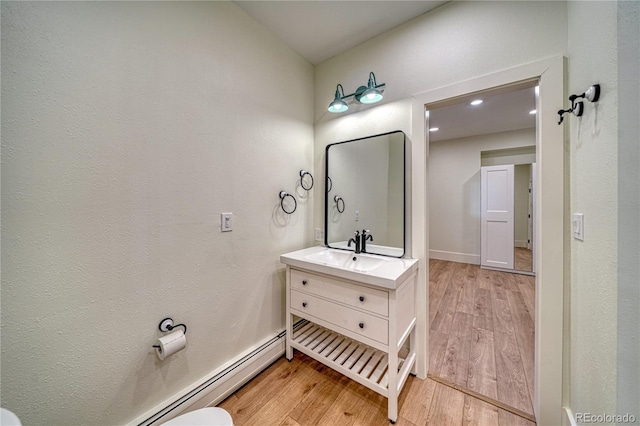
(354, 313)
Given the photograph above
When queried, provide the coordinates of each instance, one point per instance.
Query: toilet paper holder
(167, 325)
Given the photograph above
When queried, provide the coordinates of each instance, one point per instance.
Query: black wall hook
(592, 94)
(576, 109)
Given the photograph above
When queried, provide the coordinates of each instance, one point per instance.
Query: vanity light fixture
(338, 105)
(369, 94)
(476, 102)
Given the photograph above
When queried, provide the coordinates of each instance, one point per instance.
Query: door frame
(549, 219)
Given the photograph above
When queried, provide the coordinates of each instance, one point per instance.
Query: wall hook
(592, 94)
(576, 109)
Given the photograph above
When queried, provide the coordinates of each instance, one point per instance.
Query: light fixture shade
(371, 96)
(338, 105)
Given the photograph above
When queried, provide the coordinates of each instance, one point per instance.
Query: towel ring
(284, 195)
(302, 175)
(339, 200)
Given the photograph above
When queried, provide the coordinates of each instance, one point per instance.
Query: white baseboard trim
(473, 259)
(521, 243)
(217, 385)
(570, 416)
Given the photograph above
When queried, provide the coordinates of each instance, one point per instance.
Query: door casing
(549, 220)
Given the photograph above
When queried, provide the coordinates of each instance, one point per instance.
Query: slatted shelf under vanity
(359, 362)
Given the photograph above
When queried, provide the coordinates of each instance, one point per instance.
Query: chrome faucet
(356, 241)
(363, 240)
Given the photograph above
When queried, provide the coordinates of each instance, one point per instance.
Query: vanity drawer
(368, 299)
(349, 319)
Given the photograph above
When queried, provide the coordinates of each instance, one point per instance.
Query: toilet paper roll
(170, 344)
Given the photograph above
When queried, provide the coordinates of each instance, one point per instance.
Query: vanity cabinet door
(342, 316)
(358, 296)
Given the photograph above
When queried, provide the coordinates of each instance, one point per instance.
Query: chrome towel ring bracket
(339, 200)
(307, 186)
(283, 196)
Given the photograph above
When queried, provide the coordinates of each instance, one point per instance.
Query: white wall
(127, 127)
(454, 192)
(453, 43)
(594, 171)
(628, 208)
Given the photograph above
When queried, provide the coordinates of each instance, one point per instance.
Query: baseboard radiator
(220, 384)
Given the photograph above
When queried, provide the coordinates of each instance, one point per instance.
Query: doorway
(549, 220)
(481, 313)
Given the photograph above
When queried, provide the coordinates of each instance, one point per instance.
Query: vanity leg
(393, 385)
(288, 316)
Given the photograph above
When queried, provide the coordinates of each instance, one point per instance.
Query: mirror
(365, 190)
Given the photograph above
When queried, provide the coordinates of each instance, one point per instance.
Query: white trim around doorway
(549, 220)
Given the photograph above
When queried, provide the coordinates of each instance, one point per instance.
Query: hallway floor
(482, 331)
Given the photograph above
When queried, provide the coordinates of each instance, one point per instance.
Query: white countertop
(389, 275)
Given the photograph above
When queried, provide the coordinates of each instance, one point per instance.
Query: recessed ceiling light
(533, 111)
(434, 129)
(476, 102)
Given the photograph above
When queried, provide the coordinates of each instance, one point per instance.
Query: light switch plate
(226, 222)
(577, 226)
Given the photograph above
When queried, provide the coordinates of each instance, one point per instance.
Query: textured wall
(594, 183)
(628, 208)
(127, 127)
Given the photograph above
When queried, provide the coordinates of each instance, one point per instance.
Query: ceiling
(319, 30)
(499, 112)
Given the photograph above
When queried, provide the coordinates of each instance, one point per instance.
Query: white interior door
(497, 221)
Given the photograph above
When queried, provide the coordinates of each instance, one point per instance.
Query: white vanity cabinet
(364, 331)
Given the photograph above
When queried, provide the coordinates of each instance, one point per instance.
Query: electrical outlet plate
(319, 235)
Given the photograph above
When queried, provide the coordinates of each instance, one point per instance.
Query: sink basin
(347, 260)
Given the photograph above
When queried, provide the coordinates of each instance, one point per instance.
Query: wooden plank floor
(304, 392)
(482, 331)
(481, 338)
(523, 259)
